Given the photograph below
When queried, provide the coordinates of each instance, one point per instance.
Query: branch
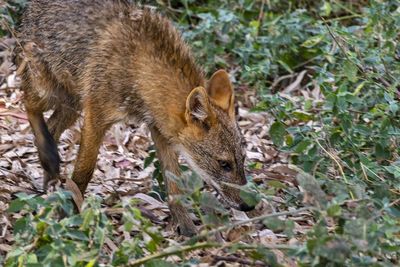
(344, 18)
(360, 67)
(238, 260)
(187, 248)
(255, 219)
(339, 166)
(173, 251)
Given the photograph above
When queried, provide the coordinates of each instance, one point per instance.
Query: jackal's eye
(225, 165)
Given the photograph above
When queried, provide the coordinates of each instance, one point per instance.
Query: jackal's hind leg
(93, 131)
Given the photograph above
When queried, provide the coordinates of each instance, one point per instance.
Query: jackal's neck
(167, 72)
(164, 90)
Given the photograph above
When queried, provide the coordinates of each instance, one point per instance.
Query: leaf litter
(120, 174)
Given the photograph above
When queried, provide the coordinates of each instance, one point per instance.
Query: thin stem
(339, 166)
(255, 219)
(344, 17)
(173, 251)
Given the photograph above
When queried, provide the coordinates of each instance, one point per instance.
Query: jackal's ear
(220, 90)
(198, 107)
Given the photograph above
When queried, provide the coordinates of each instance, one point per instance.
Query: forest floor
(120, 173)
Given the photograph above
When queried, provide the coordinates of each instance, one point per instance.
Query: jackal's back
(65, 31)
(100, 42)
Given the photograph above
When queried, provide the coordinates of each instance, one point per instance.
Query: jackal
(113, 60)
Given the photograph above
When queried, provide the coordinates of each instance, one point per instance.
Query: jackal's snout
(231, 193)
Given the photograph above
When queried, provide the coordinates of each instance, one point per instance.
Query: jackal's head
(211, 142)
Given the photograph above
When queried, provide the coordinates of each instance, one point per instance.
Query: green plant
(339, 124)
(49, 234)
(344, 127)
(10, 12)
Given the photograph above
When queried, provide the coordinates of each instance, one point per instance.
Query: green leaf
(289, 139)
(31, 259)
(350, 70)
(393, 169)
(159, 263)
(265, 255)
(303, 116)
(22, 225)
(210, 202)
(151, 246)
(188, 183)
(382, 150)
(256, 165)
(277, 184)
(15, 253)
(249, 196)
(326, 9)
(25, 196)
(334, 211)
(311, 187)
(313, 41)
(302, 146)
(76, 235)
(16, 205)
(149, 159)
(88, 217)
(277, 133)
(275, 224)
(91, 263)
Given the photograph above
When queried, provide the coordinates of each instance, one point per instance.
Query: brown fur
(113, 60)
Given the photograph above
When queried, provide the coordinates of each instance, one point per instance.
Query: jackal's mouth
(222, 196)
(228, 202)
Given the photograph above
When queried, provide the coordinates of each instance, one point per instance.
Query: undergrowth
(339, 123)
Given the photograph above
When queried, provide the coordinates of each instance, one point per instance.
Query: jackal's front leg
(169, 162)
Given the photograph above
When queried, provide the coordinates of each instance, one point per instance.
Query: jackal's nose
(244, 207)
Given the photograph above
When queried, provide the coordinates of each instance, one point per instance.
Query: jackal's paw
(182, 219)
(50, 183)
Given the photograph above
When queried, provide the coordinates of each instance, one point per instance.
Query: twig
(255, 219)
(344, 17)
(339, 166)
(293, 86)
(238, 260)
(376, 175)
(365, 173)
(186, 248)
(340, 45)
(172, 251)
(391, 204)
(361, 68)
(305, 62)
(281, 78)
(268, 246)
(124, 179)
(261, 16)
(346, 8)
